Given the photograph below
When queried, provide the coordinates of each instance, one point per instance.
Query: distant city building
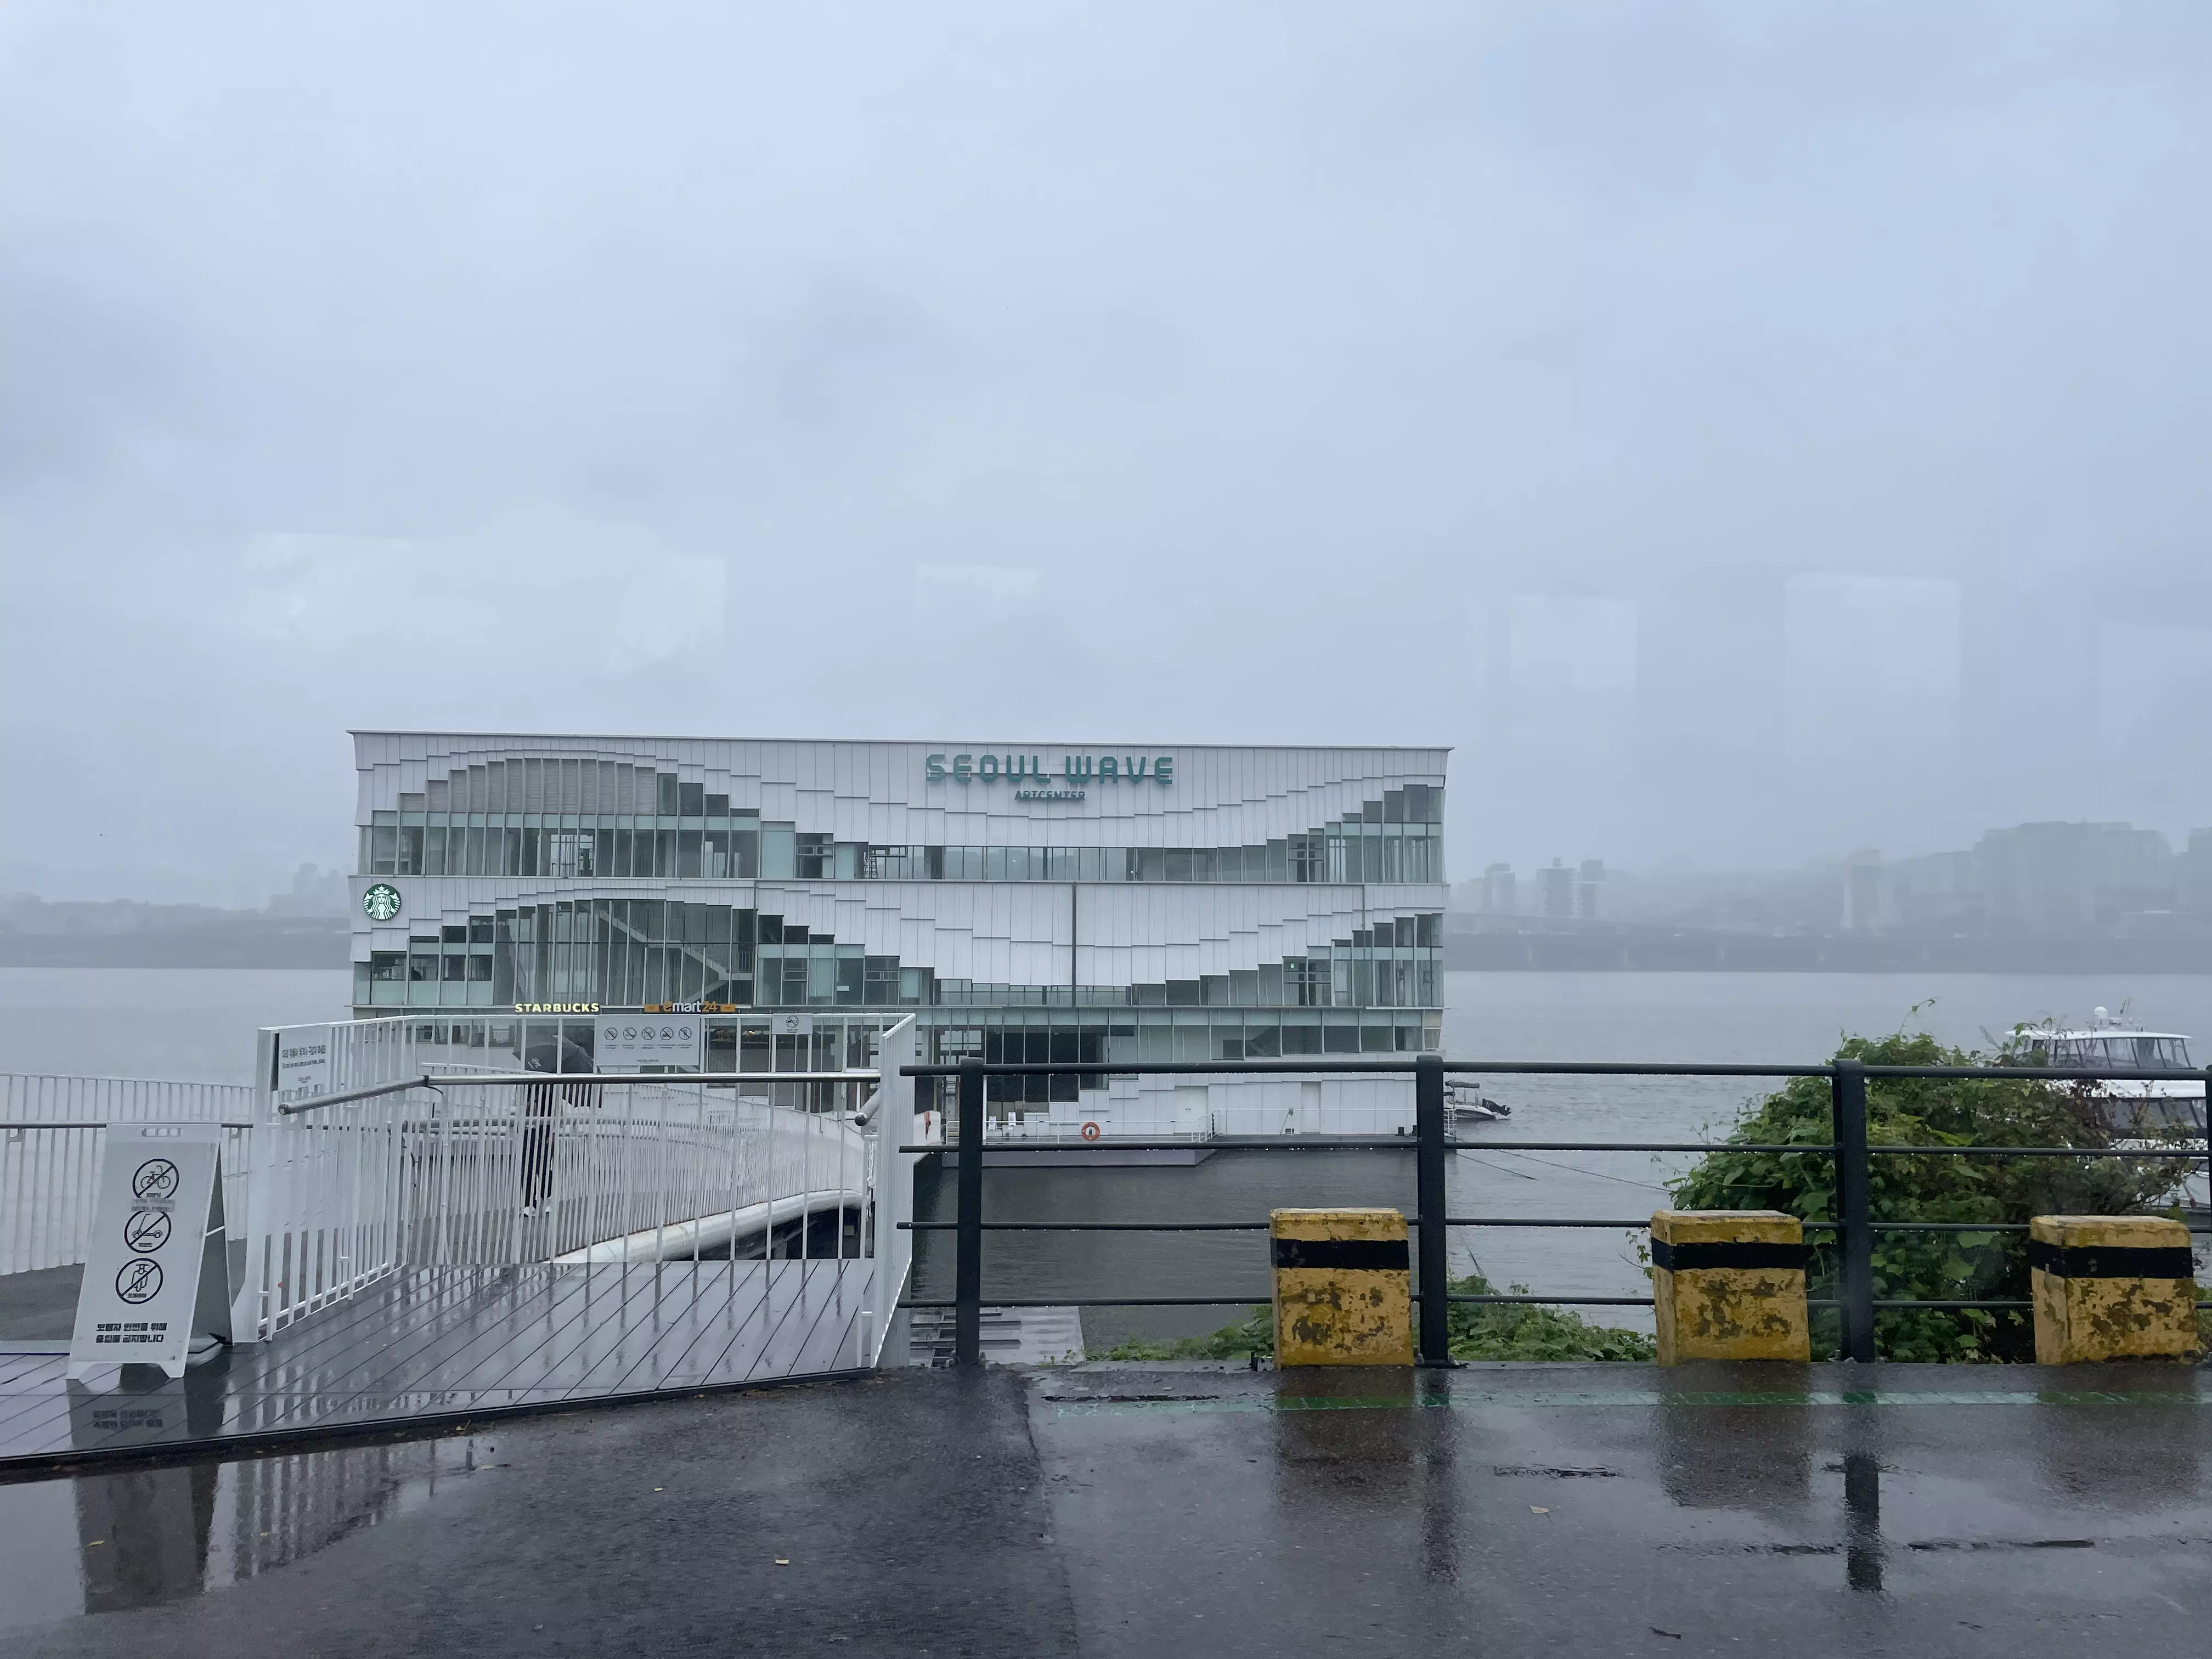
(1862, 892)
(1559, 891)
(1937, 891)
(1501, 893)
(2053, 878)
(315, 892)
(1589, 891)
(2068, 877)
(2193, 873)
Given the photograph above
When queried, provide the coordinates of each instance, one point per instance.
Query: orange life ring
(1090, 1132)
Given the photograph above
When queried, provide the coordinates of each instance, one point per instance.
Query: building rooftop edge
(917, 743)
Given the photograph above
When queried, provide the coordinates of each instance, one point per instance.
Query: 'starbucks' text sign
(158, 1270)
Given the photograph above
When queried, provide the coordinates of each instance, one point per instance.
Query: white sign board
(157, 1272)
(792, 1024)
(647, 1040)
(303, 1062)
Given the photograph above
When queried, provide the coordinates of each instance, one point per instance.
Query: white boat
(2160, 1108)
(1465, 1102)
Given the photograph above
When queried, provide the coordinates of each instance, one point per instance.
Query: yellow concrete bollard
(2110, 1287)
(1343, 1288)
(1729, 1284)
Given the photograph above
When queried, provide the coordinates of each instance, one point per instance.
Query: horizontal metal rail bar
(598, 1078)
(2052, 1074)
(1894, 1150)
(348, 1096)
(1938, 1226)
(1321, 1063)
(1407, 1144)
(511, 1080)
(1077, 1300)
(1381, 1143)
(1542, 1068)
(1106, 1302)
(1631, 1068)
(1563, 1301)
(1257, 1144)
(1542, 1221)
(1632, 1224)
(109, 1123)
(1091, 1226)
(1639, 1146)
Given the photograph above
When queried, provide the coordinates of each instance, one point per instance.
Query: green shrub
(1521, 1330)
(1478, 1331)
(1253, 1334)
(1934, 1112)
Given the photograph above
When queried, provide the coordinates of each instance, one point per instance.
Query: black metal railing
(1431, 1146)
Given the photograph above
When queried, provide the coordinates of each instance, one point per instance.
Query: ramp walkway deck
(429, 1343)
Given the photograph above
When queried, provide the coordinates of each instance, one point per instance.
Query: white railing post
(251, 1309)
(891, 1124)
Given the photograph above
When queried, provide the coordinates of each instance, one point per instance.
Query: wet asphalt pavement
(1121, 1510)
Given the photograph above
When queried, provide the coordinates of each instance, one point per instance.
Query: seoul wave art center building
(1075, 902)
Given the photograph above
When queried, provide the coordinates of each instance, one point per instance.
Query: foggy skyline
(1742, 435)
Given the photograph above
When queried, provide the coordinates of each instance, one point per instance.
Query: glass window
(691, 800)
(810, 854)
(666, 795)
(778, 850)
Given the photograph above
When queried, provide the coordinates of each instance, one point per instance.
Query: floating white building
(1038, 903)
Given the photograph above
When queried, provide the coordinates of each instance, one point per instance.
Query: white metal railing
(391, 1169)
(505, 1170)
(53, 1134)
(614, 1169)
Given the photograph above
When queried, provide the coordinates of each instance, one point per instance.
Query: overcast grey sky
(1686, 411)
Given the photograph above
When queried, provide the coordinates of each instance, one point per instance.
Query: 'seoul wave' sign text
(1076, 770)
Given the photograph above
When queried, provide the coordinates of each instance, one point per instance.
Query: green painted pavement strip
(1630, 1397)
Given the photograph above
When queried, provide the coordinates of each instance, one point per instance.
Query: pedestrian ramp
(460, 1343)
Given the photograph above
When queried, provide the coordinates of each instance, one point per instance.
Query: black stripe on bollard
(2112, 1260)
(1689, 1258)
(1369, 1254)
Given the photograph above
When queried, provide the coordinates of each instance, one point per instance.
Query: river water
(198, 1024)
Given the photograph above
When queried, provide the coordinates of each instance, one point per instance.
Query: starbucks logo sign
(381, 902)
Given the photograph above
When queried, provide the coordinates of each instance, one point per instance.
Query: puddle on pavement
(104, 1542)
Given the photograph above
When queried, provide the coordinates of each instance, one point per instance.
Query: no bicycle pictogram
(139, 1281)
(146, 1229)
(156, 1178)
